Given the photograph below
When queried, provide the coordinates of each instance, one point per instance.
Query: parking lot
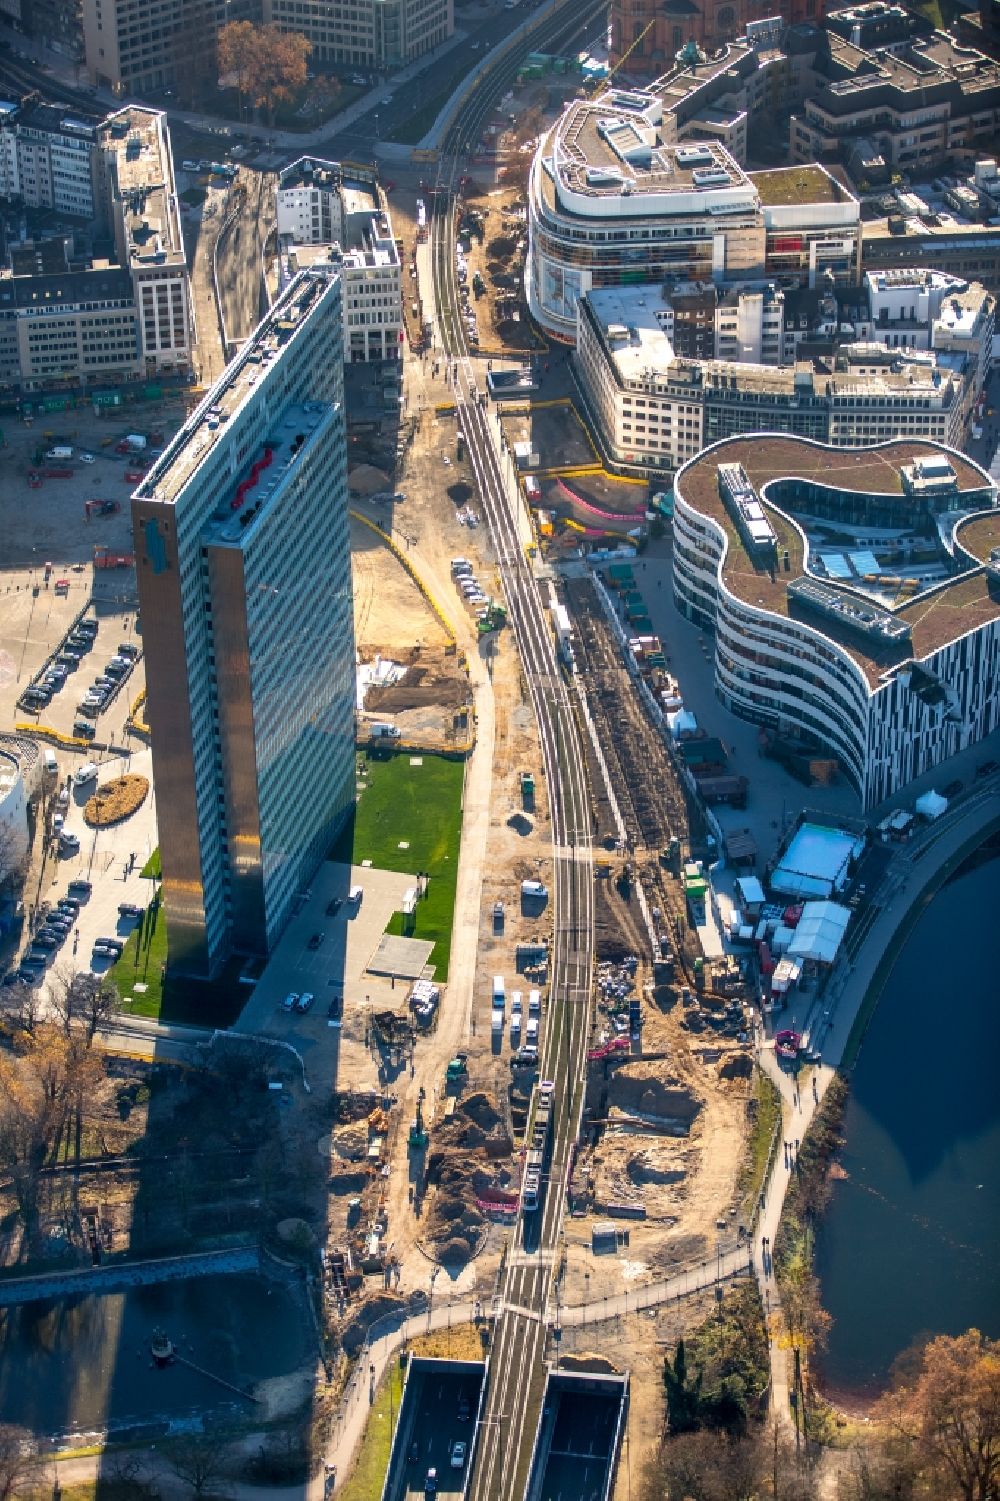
(332, 1046)
(103, 859)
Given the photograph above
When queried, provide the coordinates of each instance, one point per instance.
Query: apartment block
(48, 159)
(67, 322)
(138, 46)
(325, 213)
(243, 562)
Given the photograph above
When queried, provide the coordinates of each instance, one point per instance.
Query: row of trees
(46, 1081)
(267, 66)
(935, 1436)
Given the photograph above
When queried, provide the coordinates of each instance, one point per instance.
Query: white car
(88, 458)
(459, 1449)
(86, 773)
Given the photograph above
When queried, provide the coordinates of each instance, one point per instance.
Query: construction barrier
(401, 557)
(46, 732)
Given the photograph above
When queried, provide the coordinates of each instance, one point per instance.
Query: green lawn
(373, 1456)
(151, 870)
(173, 998)
(766, 1115)
(421, 806)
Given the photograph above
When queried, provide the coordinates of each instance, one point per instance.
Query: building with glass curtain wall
(243, 561)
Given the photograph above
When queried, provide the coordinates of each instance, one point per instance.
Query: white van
(355, 898)
(534, 889)
(86, 773)
(499, 991)
(51, 764)
(531, 1032)
(534, 1002)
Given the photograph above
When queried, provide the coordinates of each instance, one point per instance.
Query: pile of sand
(632, 1090)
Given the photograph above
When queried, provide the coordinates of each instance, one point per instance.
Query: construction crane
(603, 82)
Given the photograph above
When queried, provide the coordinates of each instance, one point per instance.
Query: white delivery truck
(499, 993)
(59, 454)
(384, 731)
(135, 441)
(497, 1021)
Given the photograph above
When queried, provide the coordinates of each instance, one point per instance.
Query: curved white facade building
(615, 199)
(809, 640)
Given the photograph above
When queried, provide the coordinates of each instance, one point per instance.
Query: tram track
(525, 1285)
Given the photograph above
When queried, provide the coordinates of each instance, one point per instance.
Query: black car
(334, 906)
(80, 887)
(952, 789)
(315, 941)
(130, 909)
(987, 768)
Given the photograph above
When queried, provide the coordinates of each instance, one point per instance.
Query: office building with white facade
(853, 597)
(326, 212)
(652, 410)
(366, 33)
(244, 571)
(614, 200)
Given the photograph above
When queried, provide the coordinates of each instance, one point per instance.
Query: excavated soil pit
(642, 1170)
(637, 1092)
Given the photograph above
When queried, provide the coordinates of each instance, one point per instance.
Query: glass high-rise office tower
(244, 568)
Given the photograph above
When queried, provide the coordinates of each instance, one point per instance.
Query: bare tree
(21, 1004)
(203, 1461)
(18, 1461)
(90, 1000)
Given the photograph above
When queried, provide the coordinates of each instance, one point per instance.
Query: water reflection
(84, 1363)
(908, 1243)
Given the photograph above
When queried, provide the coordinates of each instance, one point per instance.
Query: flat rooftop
(265, 469)
(137, 140)
(934, 618)
(600, 146)
(791, 185)
(195, 440)
(980, 535)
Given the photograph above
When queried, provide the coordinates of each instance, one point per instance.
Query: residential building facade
(243, 562)
(821, 645)
(71, 323)
(48, 159)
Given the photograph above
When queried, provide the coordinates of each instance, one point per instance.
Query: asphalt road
(434, 1429)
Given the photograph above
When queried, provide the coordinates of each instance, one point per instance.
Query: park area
(409, 818)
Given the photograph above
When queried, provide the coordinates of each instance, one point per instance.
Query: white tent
(931, 805)
(751, 891)
(820, 932)
(682, 723)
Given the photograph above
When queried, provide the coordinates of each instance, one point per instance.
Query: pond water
(83, 1363)
(908, 1243)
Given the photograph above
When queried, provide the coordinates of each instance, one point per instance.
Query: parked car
(291, 1001)
(84, 774)
(334, 906)
(952, 789)
(80, 887)
(68, 843)
(305, 1000)
(83, 729)
(987, 768)
(130, 909)
(315, 940)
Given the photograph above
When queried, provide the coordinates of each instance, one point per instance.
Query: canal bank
(918, 869)
(905, 1246)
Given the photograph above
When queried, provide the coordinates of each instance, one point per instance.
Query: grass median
(419, 807)
(373, 1457)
